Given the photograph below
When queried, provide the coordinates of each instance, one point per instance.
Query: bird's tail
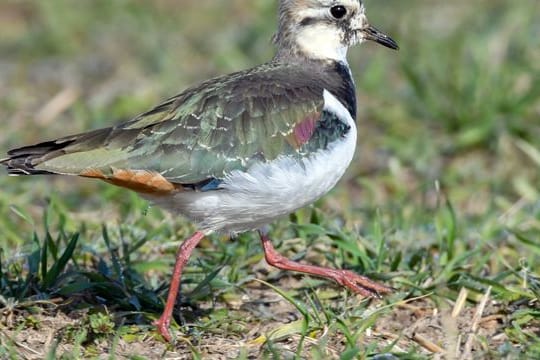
(22, 161)
(26, 160)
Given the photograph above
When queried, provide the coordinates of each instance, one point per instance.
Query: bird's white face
(325, 29)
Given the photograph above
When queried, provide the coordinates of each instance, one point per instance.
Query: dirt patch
(435, 329)
(248, 321)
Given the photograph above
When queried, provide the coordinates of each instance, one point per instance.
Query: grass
(442, 201)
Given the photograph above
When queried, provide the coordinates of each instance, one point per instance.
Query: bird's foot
(162, 325)
(358, 283)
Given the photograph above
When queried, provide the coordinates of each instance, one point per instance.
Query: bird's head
(324, 29)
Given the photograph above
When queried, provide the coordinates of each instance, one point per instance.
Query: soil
(418, 324)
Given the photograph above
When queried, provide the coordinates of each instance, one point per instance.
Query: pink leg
(356, 283)
(182, 256)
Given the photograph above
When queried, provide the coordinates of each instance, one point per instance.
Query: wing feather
(221, 125)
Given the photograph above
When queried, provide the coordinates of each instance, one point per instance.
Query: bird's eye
(338, 11)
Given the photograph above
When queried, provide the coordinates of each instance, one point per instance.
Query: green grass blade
(61, 263)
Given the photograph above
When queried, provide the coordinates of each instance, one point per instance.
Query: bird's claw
(362, 284)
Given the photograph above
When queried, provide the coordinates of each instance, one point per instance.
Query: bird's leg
(356, 283)
(182, 256)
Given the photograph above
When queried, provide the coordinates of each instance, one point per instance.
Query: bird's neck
(310, 45)
(311, 48)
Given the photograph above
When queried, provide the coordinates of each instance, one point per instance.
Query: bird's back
(223, 124)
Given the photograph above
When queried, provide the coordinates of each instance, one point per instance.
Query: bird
(236, 152)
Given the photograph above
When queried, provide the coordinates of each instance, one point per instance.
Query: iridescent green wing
(224, 124)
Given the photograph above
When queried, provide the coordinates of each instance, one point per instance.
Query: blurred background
(452, 118)
(458, 104)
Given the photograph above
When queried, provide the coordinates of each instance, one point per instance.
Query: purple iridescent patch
(305, 129)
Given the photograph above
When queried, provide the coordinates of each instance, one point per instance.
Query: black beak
(371, 33)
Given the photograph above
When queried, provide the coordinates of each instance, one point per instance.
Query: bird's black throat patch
(346, 92)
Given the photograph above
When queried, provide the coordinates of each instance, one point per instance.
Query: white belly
(250, 199)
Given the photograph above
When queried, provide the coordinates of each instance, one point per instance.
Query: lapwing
(238, 151)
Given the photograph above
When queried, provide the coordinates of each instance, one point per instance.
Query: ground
(441, 201)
